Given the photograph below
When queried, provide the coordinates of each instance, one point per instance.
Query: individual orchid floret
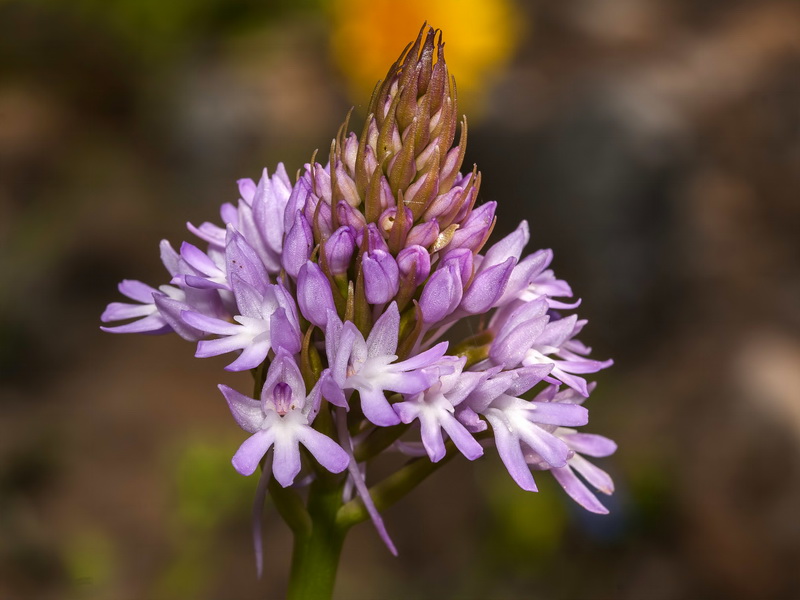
(414, 264)
(339, 249)
(298, 245)
(282, 418)
(532, 280)
(375, 239)
(348, 215)
(529, 279)
(510, 246)
(259, 216)
(242, 261)
(516, 326)
(159, 309)
(314, 294)
(434, 408)
(555, 345)
(345, 186)
(205, 272)
(528, 333)
(146, 315)
(546, 285)
(381, 276)
(520, 426)
(370, 366)
(267, 320)
(587, 444)
(298, 200)
(580, 444)
(387, 220)
(425, 234)
(487, 287)
(464, 260)
(475, 229)
(442, 293)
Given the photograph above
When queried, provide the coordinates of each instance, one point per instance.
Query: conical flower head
(413, 121)
(403, 170)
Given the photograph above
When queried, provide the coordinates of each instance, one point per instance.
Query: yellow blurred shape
(480, 36)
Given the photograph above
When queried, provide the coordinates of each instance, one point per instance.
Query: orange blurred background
(653, 144)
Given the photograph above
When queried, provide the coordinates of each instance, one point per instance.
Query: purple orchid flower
(158, 310)
(434, 408)
(555, 345)
(259, 216)
(146, 315)
(266, 320)
(370, 367)
(442, 293)
(520, 426)
(282, 418)
(587, 444)
(527, 333)
(339, 249)
(314, 294)
(298, 244)
(381, 276)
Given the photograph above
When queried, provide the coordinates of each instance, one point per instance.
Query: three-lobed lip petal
(282, 423)
(371, 367)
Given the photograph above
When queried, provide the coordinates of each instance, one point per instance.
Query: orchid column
(338, 292)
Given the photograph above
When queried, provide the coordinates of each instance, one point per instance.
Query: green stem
(378, 440)
(393, 488)
(290, 507)
(315, 558)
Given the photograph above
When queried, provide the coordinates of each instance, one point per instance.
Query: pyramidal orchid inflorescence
(338, 292)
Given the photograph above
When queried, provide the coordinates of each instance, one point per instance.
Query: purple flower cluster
(336, 291)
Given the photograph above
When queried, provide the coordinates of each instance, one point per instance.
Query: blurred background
(653, 144)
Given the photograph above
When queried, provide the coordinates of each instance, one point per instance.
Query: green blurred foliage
(208, 489)
(208, 493)
(92, 561)
(525, 529)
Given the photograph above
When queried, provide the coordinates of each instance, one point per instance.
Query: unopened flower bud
(349, 216)
(424, 234)
(297, 246)
(462, 258)
(339, 249)
(375, 239)
(314, 295)
(346, 186)
(381, 276)
(297, 200)
(350, 152)
(487, 287)
(414, 263)
(442, 293)
(474, 230)
(387, 219)
(444, 203)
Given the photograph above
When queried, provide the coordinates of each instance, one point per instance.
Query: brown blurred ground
(654, 145)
